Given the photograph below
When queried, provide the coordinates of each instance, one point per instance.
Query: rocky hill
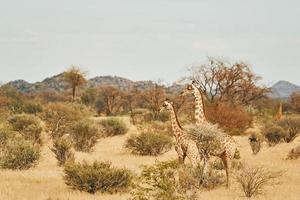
(283, 89)
(56, 83)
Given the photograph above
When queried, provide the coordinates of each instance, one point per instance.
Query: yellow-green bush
(97, 177)
(60, 116)
(19, 154)
(113, 126)
(62, 148)
(149, 143)
(28, 126)
(84, 134)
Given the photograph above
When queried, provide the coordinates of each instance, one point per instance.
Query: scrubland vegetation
(113, 143)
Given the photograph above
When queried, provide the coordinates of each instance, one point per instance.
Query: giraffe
(184, 146)
(227, 147)
(200, 115)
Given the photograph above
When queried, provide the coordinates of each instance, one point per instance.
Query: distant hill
(56, 83)
(283, 89)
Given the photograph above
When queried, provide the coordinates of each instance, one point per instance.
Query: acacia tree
(110, 100)
(75, 77)
(221, 80)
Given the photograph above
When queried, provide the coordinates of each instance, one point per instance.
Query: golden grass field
(45, 182)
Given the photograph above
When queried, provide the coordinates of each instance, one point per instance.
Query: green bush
(164, 181)
(99, 176)
(113, 126)
(149, 143)
(60, 116)
(84, 135)
(19, 154)
(274, 134)
(292, 125)
(62, 148)
(28, 126)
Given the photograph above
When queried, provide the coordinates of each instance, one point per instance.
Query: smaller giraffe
(184, 146)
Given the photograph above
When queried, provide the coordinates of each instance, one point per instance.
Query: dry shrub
(292, 125)
(28, 126)
(113, 127)
(99, 176)
(294, 153)
(233, 119)
(254, 179)
(60, 116)
(149, 143)
(62, 148)
(19, 154)
(274, 134)
(84, 134)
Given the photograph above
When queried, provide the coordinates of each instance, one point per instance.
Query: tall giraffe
(227, 147)
(200, 116)
(184, 146)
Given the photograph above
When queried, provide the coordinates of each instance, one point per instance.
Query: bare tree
(75, 78)
(223, 81)
(154, 97)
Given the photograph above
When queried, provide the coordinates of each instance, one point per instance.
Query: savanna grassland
(113, 143)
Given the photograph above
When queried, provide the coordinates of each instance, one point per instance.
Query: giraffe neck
(177, 129)
(199, 107)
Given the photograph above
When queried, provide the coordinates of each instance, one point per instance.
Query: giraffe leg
(227, 165)
(205, 170)
(180, 153)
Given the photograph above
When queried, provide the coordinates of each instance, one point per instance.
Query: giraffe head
(190, 88)
(167, 105)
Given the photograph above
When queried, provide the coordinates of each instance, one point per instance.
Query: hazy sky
(147, 39)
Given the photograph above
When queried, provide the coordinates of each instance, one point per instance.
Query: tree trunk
(74, 93)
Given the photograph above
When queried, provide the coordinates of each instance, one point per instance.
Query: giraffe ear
(193, 81)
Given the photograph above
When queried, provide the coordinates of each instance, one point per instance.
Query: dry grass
(45, 182)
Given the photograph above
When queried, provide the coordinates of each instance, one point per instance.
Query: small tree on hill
(75, 77)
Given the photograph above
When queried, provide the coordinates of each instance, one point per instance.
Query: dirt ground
(44, 182)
